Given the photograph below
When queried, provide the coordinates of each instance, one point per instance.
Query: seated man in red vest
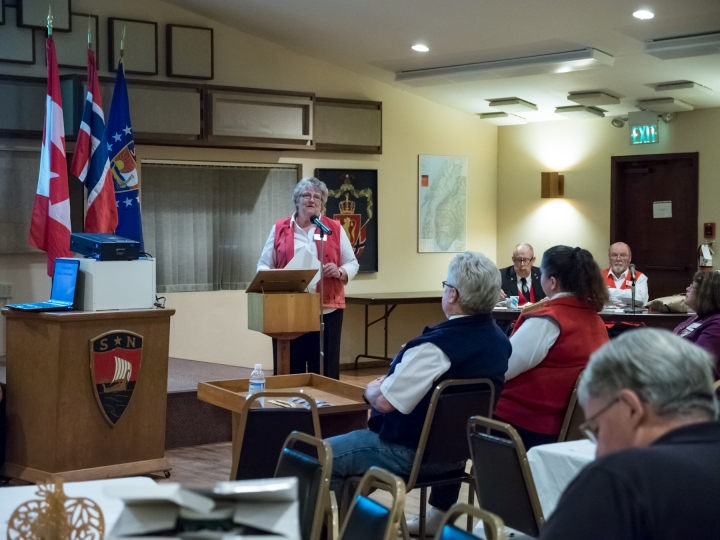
(619, 280)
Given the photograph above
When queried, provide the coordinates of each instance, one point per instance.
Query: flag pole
(49, 20)
(122, 45)
(89, 32)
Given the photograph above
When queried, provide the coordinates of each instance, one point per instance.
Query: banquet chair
(493, 525)
(444, 438)
(259, 432)
(574, 417)
(310, 461)
(503, 478)
(369, 520)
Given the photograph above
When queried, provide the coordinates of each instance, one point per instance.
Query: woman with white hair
(293, 234)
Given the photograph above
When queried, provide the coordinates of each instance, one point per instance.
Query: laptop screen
(64, 280)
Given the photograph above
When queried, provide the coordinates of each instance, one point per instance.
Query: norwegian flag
(90, 161)
(50, 226)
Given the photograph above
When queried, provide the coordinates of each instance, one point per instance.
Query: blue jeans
(355, 452)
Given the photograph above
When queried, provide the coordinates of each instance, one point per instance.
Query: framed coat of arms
(352, 200)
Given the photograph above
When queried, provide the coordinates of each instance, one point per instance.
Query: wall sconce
(553, 185)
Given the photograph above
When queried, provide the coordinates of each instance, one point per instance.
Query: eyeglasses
(446, 284)
(590, 428)
(619, 256)
(308, 196)
(522, 261)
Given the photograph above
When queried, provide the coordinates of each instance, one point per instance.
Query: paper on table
(304, 260)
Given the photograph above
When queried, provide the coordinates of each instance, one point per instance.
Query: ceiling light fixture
(684, 46)
(618, 121)
(513, 67)
(503, 118)
(593, 98)
(643, 14)
(580, 111)
(511, 105)
(664, 105)
(419, 47)
(683, 87)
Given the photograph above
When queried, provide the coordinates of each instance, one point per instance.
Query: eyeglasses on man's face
(590, 427)
(308, 196)
(446, 284)
(524, 260)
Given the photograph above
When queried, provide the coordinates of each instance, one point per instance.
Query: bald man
(522, 279)
(618, 277)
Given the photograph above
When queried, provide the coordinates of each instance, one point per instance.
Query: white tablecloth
(554, 466)
(12, 497)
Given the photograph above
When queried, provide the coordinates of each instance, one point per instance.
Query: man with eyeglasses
(522, 279)
(618, 278)
(649, 402)
(468, 345)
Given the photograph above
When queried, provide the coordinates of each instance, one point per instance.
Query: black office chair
(262, 431)
(369, 520)
(312, 469)
(503, 478)
(444, 438)
(493, 525)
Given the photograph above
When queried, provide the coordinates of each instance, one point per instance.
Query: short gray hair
(310, 182)
(477, 281)
(664, 370)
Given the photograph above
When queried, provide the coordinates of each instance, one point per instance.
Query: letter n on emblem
(115, 359)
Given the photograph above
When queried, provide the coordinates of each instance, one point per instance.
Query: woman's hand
(331, 270)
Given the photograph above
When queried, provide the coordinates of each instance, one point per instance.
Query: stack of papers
(266, 508)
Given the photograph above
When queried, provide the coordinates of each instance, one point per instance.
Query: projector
(104, 247)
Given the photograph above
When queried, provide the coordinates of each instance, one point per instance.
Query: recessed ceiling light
(420, 48)
(643, 14)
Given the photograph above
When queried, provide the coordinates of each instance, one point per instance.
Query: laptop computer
(62, 296)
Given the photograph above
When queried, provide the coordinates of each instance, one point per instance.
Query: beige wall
(212, 326)
(582, 151)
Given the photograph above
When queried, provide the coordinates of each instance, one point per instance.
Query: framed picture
(141, 45)
(34, 14)
(72, 46)
(442, 199)
(190, 52)
(2, 12)
(352, 200)
(17, 45)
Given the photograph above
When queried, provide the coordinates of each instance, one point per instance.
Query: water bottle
(257, 380)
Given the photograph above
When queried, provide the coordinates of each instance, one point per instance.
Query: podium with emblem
(279, 307)
(86, 394)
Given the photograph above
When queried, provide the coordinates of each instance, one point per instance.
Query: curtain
(206, 225)
(18, 184)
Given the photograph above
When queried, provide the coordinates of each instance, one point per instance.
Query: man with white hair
(469, 345)
(649, 403)
(619, 279)
(522, 279)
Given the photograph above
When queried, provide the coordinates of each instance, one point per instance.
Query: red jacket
(284, 244)
(536, 399)
(610, 282)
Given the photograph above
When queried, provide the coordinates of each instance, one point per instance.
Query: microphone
(320, 225)
(632, 271)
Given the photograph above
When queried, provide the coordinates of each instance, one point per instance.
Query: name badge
(317, 237)
(629, 283)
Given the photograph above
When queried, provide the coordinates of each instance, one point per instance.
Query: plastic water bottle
(257, 380)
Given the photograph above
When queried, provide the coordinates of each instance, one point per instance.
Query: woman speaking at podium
(292, 234)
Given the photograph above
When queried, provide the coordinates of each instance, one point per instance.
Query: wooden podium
(279, 307)
(57, 426)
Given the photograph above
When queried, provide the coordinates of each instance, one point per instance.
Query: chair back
(368, 519)
(574, 417)
(494, 526)
(261, 432)
(503, 478)
(716, 387)
(312, 469)
(444, 434)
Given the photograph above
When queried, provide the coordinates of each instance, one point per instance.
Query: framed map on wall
(352, 200)
(442, 199)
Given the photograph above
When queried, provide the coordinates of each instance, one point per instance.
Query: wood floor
(211, 463)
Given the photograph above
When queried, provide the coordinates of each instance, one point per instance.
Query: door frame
(617, 161)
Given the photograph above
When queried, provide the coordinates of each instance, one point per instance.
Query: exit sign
(646, 134)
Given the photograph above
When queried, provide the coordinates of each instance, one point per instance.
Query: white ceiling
(373, 37)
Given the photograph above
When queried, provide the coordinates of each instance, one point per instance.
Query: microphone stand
(632, 293)
(322, 291)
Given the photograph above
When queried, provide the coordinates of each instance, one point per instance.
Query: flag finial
(122, 44)
(89, 31)
(49, 20)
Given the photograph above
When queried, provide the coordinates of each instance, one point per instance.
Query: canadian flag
(50, 226)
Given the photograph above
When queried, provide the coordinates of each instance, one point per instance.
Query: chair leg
(404, 529)
(471, 502)
(333, 519)
(423, 509)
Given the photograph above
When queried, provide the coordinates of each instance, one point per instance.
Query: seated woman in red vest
(703, 297)
(552, 343)
(293, 234)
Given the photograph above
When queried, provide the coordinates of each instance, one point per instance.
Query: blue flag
(121, 150)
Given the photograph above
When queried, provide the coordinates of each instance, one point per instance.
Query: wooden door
(644, 188)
